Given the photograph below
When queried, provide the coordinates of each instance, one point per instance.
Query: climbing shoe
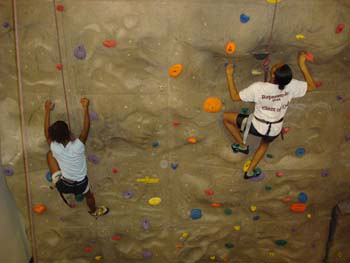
(102, 210)
(236, 148)
(255, 173)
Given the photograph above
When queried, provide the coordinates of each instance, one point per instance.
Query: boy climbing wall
(66, 158)
(271, 103)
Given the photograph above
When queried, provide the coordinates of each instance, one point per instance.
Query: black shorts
(252, 130)
(70, 187)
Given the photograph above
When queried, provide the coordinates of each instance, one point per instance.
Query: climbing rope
(24, 135)
(273, 24)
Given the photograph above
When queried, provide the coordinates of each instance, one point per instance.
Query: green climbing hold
(281, 242)
(268, 187)
(269, 155)
(79, 197)
(229, 245)
(245, 111)
(228, 211)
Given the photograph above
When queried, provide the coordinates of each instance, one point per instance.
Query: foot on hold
(102, 210)
(236, 147)
(255, 173)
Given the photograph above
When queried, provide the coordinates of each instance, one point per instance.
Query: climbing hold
(59, 66)
(212, 105)
(309, 56)
(208, 192)
(285, 130)
(39, 209)
(128, 194)
(176, 123)
(258, 178)
(256, 218)
(94, 159)
(318, 84)
(212, 257)
(244, 111)
(184, 235)
(155, 144)
(256, 72)
(340, 98)
(281, 242)
(48, 176)
(279, 174)
(6, 24)
(325, 173)
(145, 224)
(109, 43)
(229, 245)
(246, 165)
(196, 214)
(93, 116)
(286, 199)
(253, 208)
(298, 207)
(154, 201)
(244, 18)
(98, 258)
(175, 70)
(339, 254)
(237, 228)
(115, 170)
(347, 138)
(147, 180)
(300, 37)
(80, 52)
(273, 1)
(115, 238)
(216, 204)
(230, 48)
(268, 187)
(147, 254)
(174, 166)
(164, 164)
(309, 216)
(269, 155)
(178, 246)
(228, 211)
(60, 8)
(300, 152)
(339, 28)
(271, 254)
(302, 198)
(8, 171)
(192, 140)
(79, 197)
(88, 249)
(266, 62)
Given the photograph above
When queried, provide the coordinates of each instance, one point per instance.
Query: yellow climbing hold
(246, 165)
(154, 201)
(98, 258)
(184, 235)
(339, 254)
(237, 228)
(256, 72)
(300, 37)
(273, 1)
(147, 180)
(272, 254)
(212, 257)
(309, 216)
(253, 208)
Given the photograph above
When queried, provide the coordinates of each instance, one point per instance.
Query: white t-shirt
(271, 103)
(71, 159)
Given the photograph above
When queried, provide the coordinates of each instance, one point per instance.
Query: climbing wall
(161, 162)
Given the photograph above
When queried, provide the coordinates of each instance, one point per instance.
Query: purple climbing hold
(94, 159)
(80, 52)
(325, 173)
(258, 178)
(340, 98)
(128, 194)
(347, 138)
(6, 24)
(8, 171)
(145, 224)
(147, 254)
(93, 116)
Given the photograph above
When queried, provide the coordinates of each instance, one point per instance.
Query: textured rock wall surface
(135, 103)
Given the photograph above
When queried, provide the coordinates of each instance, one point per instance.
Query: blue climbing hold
(244, 111)
(79, 197)
(302, 198)
(155, 144)
(244, 18)
(300, 152)
(256, 218)
(80, 52)
(196, 214)
(174, 165)
(48, 176)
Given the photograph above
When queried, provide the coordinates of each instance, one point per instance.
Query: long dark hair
(59, 132)
(283, 75)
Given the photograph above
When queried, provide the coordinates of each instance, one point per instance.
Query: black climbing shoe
(236, 148)
(255, 173)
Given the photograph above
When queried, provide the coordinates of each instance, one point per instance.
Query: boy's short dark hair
(283, 75)
(59, 132)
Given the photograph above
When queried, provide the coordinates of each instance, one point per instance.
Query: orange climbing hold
(192, 140)
(216, 204)
(298, 207)
(109, 43)
(339, 28)
(39, 209)
(212, 105)
(175, 70)
(230, 48)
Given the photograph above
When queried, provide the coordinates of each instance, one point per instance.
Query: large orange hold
(216, 204)
(39, 209)
(109, 43)
(230, 48)
(192, 140)
(212, 105)
(175, 70)
(298, 207)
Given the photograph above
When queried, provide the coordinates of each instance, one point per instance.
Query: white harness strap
(248, 123)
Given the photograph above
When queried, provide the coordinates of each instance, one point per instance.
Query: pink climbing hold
(109, 43)
(266, 62)
(309, 56)
(59, 66)
(285, 130)
(279, 174)
(318, 84)
(340, 28)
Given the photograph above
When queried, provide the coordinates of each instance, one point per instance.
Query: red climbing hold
(59, 66)
(208, 192)
(109, 43)
(176, 123)
(116, 238)
(285, 130)
(309, 57)
(318, 84)
(279, 174)
(114, 170)
(60, 8)
(88, 249)
(340, 28)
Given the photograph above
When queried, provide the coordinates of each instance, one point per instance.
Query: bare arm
(231, 84)
(48, 108)
(311, 86)
(86, 126)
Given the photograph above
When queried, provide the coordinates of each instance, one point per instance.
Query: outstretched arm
(231, 84)
(85, 132)
(311, 86)
(48, 108)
